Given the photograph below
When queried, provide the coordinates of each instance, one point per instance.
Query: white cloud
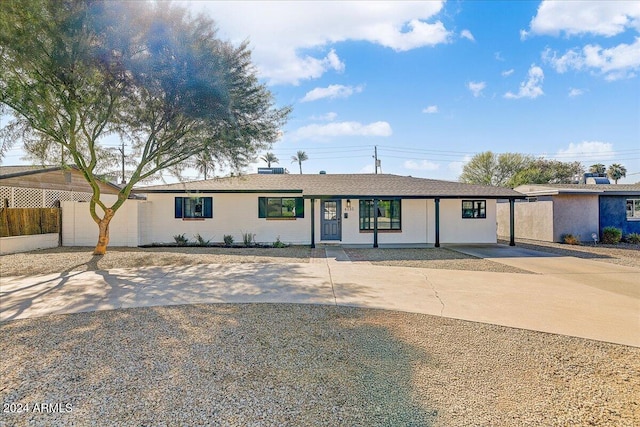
(431, 109)
(286, 37)
(618, 62)
(331, 92)
(466, 34)
(573, 92)
(423, 165)
(498, 56)
(456, 167)
(328, 117)
(532, 87)
(367, 169)
(476, 88)
(507, 73)
(587, 151)
(337, 129)
(603, 18)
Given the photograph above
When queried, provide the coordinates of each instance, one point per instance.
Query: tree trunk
(103, 236)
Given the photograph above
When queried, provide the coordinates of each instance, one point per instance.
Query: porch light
(349, 204)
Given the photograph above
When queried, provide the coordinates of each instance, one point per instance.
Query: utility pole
(121, 149)
(375, 156)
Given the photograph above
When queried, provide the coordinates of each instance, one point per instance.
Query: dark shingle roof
(11, 171)
(339, 185)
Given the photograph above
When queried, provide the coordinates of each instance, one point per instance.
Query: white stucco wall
(153, 221)
(15, 244)
(455, 229)
(233, 214)
(79, 229)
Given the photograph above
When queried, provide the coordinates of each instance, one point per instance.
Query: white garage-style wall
(79, 229)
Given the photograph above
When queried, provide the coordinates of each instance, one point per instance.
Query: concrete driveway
(562, 295)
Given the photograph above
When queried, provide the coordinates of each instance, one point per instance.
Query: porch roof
(338, 185)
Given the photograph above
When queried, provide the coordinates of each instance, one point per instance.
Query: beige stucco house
(351, 209)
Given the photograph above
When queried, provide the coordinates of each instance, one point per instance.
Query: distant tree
(74, 72)
(204, 164)
(488, 168)
(616, 171)
(300, 157)
(269, 158)
(544, 171)
(597, 168)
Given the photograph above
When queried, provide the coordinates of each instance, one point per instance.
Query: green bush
(570, 239)
(180, 239)
(632, 238)
(611, 235)
(278, 243)
(228, 239)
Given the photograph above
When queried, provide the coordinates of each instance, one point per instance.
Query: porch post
(375, 223)
(512, 233)
(313, 224)
(437, 201)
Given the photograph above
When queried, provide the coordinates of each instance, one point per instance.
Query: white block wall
(15, 244)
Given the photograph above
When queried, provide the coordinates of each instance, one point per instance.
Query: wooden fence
(27, 221)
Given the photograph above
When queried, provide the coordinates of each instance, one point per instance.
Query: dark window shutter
(262, 207)
(299, 207)
(179, 207)
(208, 207)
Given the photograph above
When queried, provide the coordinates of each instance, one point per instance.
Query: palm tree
(269, 158)
(300, 157)
(616, 171)
(203, 163)
(597, 168)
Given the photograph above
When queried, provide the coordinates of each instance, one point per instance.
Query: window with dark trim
(280, 207)
(389, 214)
(193, 207)
(633, 209)
(474, 209)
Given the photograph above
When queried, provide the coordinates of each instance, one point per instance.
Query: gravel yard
(440, 258)
(278, 364)
(61, 259)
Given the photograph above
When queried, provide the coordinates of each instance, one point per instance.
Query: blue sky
(433, 83)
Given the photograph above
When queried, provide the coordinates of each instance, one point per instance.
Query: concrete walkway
(566, 295)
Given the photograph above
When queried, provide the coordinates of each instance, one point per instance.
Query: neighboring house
(355, 209)
(45, 186)
(552, 210)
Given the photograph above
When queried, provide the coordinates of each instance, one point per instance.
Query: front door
(330, 220)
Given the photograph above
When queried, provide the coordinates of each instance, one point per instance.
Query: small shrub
(611, 235)
(200, 240)
(248, 239)
(632, 238)
(180, 239)
(570, 239)
(228, 239)
(278, 243)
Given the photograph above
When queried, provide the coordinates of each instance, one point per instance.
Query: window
(633, 209)
(388, 214)
(193, 207)
(280, 207)
(474, 209)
